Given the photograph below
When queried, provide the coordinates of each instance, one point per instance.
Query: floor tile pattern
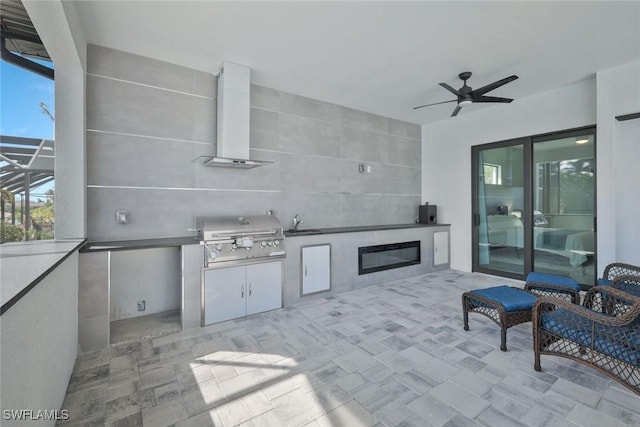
(387, 355)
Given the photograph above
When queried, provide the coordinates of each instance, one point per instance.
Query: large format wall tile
(362, 145)
(365, 209)
(408, 130)
(264, 97)
(405, 152)
(114, 159)
(236, 203)
(153, 213)
(402, 180)
(120, 65)
(310, 173)
(117, 106)
(402, 209)
(364, 121)
(151, 124)
(302, 135)
(318, 210)
(264, 130)
(307, 107)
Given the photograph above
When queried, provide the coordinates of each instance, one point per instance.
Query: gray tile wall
(93, 301)
(147, 121)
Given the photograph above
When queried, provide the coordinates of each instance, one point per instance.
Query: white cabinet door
(264, 287)
(316, 269)
(441, 248)
(224, 294)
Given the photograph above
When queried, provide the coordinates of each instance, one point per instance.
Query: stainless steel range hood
(234, 91)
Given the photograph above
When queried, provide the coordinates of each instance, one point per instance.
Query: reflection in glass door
(498, 206)
(564, 206)
(534, 206)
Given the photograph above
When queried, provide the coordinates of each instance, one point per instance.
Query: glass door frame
(526, 213)
(527, 144)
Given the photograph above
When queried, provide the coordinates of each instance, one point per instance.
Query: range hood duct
(234, 91)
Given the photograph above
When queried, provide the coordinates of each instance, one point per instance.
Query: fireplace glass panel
(386, 257)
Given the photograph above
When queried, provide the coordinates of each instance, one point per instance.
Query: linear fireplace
(386, 257)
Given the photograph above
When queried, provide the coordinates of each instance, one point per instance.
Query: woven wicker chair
(617, 270)
(603, 333)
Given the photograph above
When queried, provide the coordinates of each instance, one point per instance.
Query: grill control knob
(234, 246)
(263, 244)
(218, 247)
(276, 242)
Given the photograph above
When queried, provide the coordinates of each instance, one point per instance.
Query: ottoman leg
(503, 339)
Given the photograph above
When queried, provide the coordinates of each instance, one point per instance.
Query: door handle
(241, 291)
(305, 271)
(249, 289)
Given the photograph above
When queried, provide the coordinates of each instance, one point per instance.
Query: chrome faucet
(297, 222)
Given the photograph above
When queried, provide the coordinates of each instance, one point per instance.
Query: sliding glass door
(499, 186)
(564, 206)
(534, 206)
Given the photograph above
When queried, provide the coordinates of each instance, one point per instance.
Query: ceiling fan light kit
(466, 95)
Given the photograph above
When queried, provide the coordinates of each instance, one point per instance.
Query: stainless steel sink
(303, 232)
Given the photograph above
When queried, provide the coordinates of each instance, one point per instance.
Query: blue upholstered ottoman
(505, 305)
(553, 285)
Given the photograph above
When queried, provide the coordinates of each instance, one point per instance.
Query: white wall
(618, 150)
(39, 343)
(446, 150)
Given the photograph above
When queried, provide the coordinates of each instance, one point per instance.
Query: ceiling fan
(466, 95)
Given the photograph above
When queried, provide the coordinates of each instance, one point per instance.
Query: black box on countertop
(428, 214)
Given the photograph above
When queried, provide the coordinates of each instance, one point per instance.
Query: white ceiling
(380, 57)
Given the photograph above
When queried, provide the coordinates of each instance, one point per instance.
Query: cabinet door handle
(241, 291)
(249, 289)
(305, 271)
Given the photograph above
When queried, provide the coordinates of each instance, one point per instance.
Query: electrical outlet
(142, 305)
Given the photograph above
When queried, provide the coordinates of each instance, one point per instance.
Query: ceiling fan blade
(456, 111)
(450, 89)
(492, 86)
(435, 103)
(491, 99)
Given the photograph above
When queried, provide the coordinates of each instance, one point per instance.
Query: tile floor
(151, 325)
(387, 355)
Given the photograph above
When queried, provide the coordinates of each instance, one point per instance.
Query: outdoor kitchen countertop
(95, 246)
(304, 231)
(119, 245)
(24, 264)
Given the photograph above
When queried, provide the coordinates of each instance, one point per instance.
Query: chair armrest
(617, 269)
(629, 284)
(597, 294)
(609, 300)
(552, 290)
(547, 304)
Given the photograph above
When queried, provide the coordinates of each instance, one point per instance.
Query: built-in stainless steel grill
(229, 239)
